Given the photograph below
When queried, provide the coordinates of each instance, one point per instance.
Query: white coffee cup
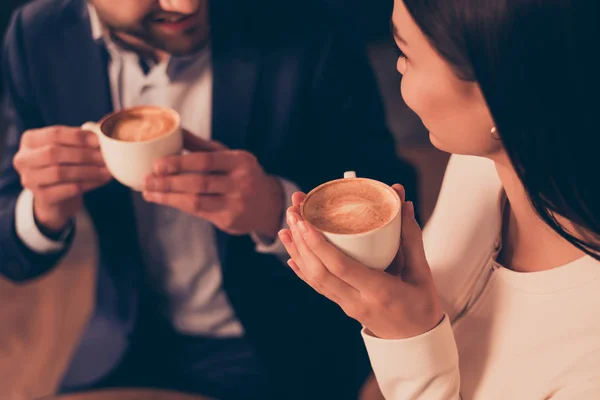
(376, 248)
(130, 162)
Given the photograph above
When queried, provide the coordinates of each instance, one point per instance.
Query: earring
(494, 133)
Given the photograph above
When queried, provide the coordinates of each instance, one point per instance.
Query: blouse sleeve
(421, 367)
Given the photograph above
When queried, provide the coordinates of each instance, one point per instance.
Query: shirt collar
(97, 26)
(99, 35)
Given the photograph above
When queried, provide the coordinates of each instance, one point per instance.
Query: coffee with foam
(351, 206)
(140, 124)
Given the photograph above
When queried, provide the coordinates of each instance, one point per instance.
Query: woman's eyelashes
(399, 52)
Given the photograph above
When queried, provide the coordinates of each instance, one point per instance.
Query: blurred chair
(41, 322)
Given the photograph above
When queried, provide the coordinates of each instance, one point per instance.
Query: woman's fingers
(400, 190)
(286, 238)
(315, 273)
(297, 270)
(353, 273)
(298, 198)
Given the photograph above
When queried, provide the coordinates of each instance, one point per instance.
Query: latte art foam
(350, 207)
(140, 124)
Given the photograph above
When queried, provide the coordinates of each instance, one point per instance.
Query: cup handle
(92, 127)
(349, 174)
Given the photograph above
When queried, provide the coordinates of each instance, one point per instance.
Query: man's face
(178, 27)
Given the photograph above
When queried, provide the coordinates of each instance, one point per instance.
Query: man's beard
(142, 40)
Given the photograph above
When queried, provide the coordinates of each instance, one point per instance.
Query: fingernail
(410, 209)
(303, 226)
(292, 219)
(285, 238)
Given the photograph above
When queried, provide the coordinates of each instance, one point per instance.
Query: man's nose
(180, 6)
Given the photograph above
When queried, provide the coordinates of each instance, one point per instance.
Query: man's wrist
(51, 226)
(28, 231)
(271, 225)
(57, 235)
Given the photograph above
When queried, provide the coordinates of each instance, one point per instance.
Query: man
(192, 291)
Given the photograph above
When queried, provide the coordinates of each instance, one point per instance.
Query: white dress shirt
(506, 335)
(179, 250)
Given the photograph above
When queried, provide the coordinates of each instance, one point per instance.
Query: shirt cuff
(28, 231)
(428, 358)
(268, 246)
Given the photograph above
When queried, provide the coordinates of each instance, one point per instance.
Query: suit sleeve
(17, 261)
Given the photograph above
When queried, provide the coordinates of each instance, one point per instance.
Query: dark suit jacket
(292, 85)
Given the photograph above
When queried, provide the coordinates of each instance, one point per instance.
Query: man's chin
(183, 47)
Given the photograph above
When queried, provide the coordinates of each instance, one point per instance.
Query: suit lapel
(235, 71)
(236, 65)
(234, 81)
(80, 76)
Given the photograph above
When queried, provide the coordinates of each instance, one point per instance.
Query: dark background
(372, 18)
(6, 9)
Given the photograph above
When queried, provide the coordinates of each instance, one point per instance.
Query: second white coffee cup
(130, 162)
(376, 248)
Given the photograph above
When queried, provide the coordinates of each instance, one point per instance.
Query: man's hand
(58, 164)
(227, 187)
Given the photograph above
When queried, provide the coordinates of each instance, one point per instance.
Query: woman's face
(453, 110)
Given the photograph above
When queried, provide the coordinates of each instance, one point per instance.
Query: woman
(506, 304)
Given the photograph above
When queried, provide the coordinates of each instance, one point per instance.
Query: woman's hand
(396, 304)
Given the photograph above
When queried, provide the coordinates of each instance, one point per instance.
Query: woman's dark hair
(535, 61)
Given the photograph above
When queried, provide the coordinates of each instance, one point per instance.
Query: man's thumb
(193, 143)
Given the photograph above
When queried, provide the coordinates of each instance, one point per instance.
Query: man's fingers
(190, 183)
(62, 135)
(190, 203)
(193, 143)
(65, 191)
(65, 174)
(215, 162)
(49, 155)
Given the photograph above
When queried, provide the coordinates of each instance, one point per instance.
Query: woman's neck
(528, 243)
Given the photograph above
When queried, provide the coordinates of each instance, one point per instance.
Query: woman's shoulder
(469, 205)
(465, 227)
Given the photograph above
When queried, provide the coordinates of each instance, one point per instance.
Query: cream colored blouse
(506, 335)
